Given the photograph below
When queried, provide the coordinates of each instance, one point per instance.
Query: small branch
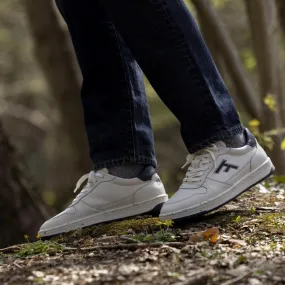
(10, 249)
(17, 265)
(198, 280)
(20, 112)
(268, 209)
(128, 239)
(236, 279)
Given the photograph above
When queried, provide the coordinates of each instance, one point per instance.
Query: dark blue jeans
(113, 40)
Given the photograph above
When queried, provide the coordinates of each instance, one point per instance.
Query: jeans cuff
(218, 136)
(124, 161)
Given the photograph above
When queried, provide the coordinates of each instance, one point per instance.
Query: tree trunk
(281, 14)
(262, 17)
(53, 52)
(213, 46)
(247, 96)
(22, 210)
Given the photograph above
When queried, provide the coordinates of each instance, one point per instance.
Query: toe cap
(56, 224)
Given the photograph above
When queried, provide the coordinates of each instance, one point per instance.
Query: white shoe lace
(83, 179)
(199, 163)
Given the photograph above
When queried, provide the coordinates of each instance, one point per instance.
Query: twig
(18, 111)
(198, 280)
(200, 277)
(104, 238)
(129, 239)
(236, 279)
(126, 246)
(10, 249)
(16, 264)
(268, 209)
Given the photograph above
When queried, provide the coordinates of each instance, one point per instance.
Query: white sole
(129, 211)
(247, 182)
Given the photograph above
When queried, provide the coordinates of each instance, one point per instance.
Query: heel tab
(250, 138)
(147, 173)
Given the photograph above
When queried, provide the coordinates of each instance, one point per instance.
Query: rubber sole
(151, 207)
(200, 211)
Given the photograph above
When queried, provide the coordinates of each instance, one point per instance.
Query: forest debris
(238, 271)
(254, 281)
(10, 249)
(238, 278)
(200, 277)
(38, 274)
(128, 269)
(255, 243)
(269, 209)
(129, 239)
(16, 264)
(210, 235)
(237, 242)
(130, 246)
(262, 189)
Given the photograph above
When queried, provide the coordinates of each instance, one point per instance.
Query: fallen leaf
(210, 235)
(237, 243)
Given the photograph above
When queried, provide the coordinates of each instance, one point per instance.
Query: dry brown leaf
(210, 235)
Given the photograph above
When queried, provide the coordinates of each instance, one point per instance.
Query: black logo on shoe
(227, 167)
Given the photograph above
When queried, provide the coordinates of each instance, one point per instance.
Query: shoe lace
(97, 175)
(198, 163)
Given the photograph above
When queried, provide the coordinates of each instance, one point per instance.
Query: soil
(241, 243)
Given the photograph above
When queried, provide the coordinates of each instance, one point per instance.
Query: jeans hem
(124, 161)
(219, 136)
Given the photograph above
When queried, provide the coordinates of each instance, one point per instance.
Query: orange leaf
(197, 237)
(210, 235)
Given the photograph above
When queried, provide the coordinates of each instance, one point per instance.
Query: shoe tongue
(195, 163)
(220, 144)
(93, 175)
(103, 170)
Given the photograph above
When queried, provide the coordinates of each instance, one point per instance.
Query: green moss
(122, 227)
(241, 260)
(160, 236)
(272, 222)
(39, 247)
(136, 225)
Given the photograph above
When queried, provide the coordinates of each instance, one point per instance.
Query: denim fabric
(112, 40)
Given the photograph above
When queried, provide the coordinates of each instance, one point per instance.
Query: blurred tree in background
(40, 97)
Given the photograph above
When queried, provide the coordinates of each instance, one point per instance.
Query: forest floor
(242, 243)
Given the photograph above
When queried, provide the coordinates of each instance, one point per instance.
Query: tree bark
(22, 209)
(234, 65)
(213, 46)
(262, 17)
(281, 13)
(54, 55)
(280, 5)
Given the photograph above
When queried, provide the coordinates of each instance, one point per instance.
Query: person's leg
(117, 123)
(166, 42)
(113, 94)
(225, 159)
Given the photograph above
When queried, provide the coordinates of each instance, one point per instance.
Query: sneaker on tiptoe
(106, 198)
(215, 176)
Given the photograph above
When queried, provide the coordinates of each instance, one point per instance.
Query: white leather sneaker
(215, 176)
(106, 198)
